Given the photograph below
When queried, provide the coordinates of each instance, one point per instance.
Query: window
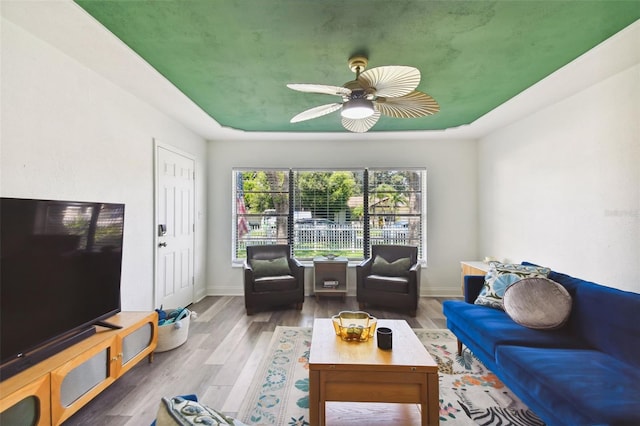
(324, 211)
(261, 209)
(395, 207)
(327, 210)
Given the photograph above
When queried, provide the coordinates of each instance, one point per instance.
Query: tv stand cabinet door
(136, 342)
(28, 405)
(76, 382)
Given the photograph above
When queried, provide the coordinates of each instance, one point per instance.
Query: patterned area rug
(469, 393)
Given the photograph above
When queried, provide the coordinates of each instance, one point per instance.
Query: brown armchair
(390, 278)
(272, 278)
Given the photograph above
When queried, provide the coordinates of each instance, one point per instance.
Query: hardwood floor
(216, 363)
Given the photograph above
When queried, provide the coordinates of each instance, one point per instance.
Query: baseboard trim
(441, 292)
(430, 292)
(225, 291)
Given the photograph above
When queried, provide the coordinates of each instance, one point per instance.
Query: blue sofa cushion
(606, 317)
(597, 389)
(489, 328)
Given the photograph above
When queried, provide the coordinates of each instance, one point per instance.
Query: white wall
(68, 133)
(451, 197)
(561, 188)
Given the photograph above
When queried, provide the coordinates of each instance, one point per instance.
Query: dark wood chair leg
(459, 347)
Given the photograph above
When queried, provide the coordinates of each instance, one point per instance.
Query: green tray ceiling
(234, 58)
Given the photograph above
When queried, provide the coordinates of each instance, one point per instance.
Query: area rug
(470, 394)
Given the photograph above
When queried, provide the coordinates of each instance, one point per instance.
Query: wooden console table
(51, 391)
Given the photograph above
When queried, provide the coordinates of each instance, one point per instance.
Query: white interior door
(175, 216)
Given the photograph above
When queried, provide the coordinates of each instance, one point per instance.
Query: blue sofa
(585, 373)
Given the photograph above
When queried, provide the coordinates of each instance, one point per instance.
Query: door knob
(162, 244)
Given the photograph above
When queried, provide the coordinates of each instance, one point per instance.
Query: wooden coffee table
(360, 372)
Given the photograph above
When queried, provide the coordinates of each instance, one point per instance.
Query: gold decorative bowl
(354, 326)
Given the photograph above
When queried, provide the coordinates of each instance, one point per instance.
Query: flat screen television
(60, 267)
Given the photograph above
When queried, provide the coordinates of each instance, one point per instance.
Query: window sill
(309, 263)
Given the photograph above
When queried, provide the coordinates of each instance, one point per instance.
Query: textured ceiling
(234, 58)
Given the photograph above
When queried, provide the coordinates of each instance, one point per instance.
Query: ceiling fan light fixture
(388, 90)
(357, 109)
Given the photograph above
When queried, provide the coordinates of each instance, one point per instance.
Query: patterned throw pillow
(184, 412)
(501, 276)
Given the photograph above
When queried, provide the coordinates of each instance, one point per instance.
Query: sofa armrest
(362, 271)
(472, 286)
(294, 264)
(297, 269)
(414, 277)
(364, 268)
(248, 276)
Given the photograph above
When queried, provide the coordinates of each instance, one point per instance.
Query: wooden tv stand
(51, 391)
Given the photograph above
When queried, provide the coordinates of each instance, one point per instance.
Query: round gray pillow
(537, 303)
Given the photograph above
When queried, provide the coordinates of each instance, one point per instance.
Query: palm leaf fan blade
(415, 104)
(391, 81)
(320, 88)
(316, 112)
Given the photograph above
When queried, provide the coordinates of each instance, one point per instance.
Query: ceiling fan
(387, 90)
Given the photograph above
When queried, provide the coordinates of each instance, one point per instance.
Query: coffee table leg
(314, 397)
(322, 412)
(431, 407)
